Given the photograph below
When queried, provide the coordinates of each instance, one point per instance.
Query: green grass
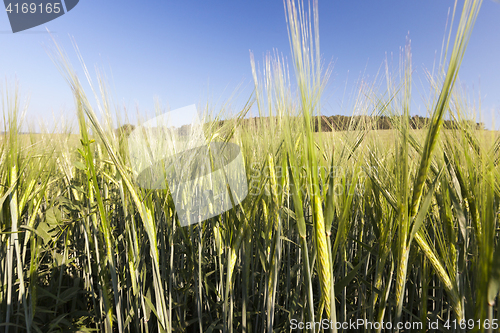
(393, 226)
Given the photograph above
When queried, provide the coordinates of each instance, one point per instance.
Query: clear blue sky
(184, 52)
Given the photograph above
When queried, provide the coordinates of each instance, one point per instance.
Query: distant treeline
(342, 123)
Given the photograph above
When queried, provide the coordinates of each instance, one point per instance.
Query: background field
(396, 226)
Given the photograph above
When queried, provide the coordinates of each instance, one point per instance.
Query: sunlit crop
(385, 226)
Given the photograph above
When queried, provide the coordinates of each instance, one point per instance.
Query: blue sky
(185, 52)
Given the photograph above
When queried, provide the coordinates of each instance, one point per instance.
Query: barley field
(396, 229)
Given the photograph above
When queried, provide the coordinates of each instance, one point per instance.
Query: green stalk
(94, 189)
(144, 211)
(402, 161)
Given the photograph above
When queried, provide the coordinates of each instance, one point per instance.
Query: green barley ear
(304, 43)
(465, 26)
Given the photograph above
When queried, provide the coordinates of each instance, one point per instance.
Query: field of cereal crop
(396, 228)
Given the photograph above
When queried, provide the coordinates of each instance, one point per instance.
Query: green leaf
(419, 219)
(349, 277)
(494, 280)
(45, 232)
